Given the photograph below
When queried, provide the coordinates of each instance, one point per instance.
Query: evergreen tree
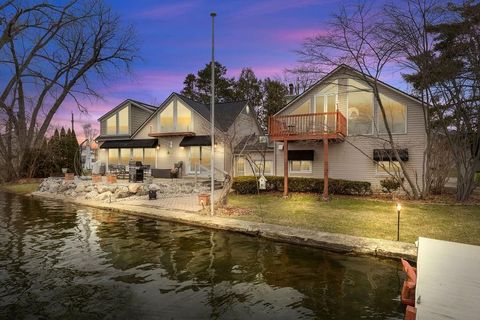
(248, 87)
(197, 87)
(274, 96)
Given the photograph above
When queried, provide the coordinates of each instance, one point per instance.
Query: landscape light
(399, 208)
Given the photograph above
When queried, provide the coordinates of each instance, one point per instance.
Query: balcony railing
(326, 125)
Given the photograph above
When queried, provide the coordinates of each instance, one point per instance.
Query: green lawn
(364, 217)
(20, 188)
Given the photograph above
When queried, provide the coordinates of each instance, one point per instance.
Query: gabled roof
(225, 113)
(141, 105)
(252, 143)
(351, 69)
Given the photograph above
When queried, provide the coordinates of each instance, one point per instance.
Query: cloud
(296, 35)
(168, 10)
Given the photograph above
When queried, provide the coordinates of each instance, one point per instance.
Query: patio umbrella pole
(212, 120)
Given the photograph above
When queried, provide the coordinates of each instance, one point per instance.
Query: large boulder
(122, 192)
(101, 188)
(80, 188)
(91, 195)
(53, 187)
(133, 187)
(143, 190)
(107, 195)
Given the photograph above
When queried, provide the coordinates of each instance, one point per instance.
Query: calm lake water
(61, 262)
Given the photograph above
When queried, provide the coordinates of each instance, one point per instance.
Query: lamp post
(212, 121)
(399, 208)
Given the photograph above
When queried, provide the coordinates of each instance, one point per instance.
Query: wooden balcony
(311, 126)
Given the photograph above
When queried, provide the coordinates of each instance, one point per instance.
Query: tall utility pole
(212, 122)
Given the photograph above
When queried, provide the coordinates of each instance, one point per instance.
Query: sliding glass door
(199, 160)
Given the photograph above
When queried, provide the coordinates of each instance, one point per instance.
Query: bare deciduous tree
(356, 39)
(50, 53)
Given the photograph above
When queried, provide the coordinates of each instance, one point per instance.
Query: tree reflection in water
(58, 261)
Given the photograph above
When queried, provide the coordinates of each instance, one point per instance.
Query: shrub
(248, 185)
(477, 178)
(389, 185)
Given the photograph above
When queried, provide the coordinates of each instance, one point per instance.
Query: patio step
(217, 184)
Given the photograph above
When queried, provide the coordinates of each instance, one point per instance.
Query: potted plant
(68, 175)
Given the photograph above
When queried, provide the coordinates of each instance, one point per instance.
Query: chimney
(290, 87)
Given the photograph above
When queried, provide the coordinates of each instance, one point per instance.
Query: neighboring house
(178, 130)
(337, 119)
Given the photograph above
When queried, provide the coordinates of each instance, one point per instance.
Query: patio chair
(176, 171)
(112, 168)
(122, 172)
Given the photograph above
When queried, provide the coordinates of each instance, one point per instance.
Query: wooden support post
(325, 169)
(285, 168)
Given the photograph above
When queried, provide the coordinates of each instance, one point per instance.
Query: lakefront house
(337, 122)
(178, 131)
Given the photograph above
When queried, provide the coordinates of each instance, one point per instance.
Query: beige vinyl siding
(347, 159)
(137, 117)
(103, 127)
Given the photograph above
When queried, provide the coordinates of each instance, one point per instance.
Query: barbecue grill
(135, 171)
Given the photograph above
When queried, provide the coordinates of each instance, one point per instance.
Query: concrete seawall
(323, 240)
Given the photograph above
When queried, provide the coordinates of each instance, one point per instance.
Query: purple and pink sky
(175, 39)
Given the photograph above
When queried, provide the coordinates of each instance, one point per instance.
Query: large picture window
(137, 154)
(184, 118)
(112, 156)
(360, 108)
(166, 119)
(124, 156)
(304, 108)
(395, 113)
(123, 121)
(300, 166)
(112, 125)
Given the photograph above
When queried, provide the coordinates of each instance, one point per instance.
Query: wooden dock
(448, 280)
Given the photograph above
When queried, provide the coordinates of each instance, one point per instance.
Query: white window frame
(301, 171)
